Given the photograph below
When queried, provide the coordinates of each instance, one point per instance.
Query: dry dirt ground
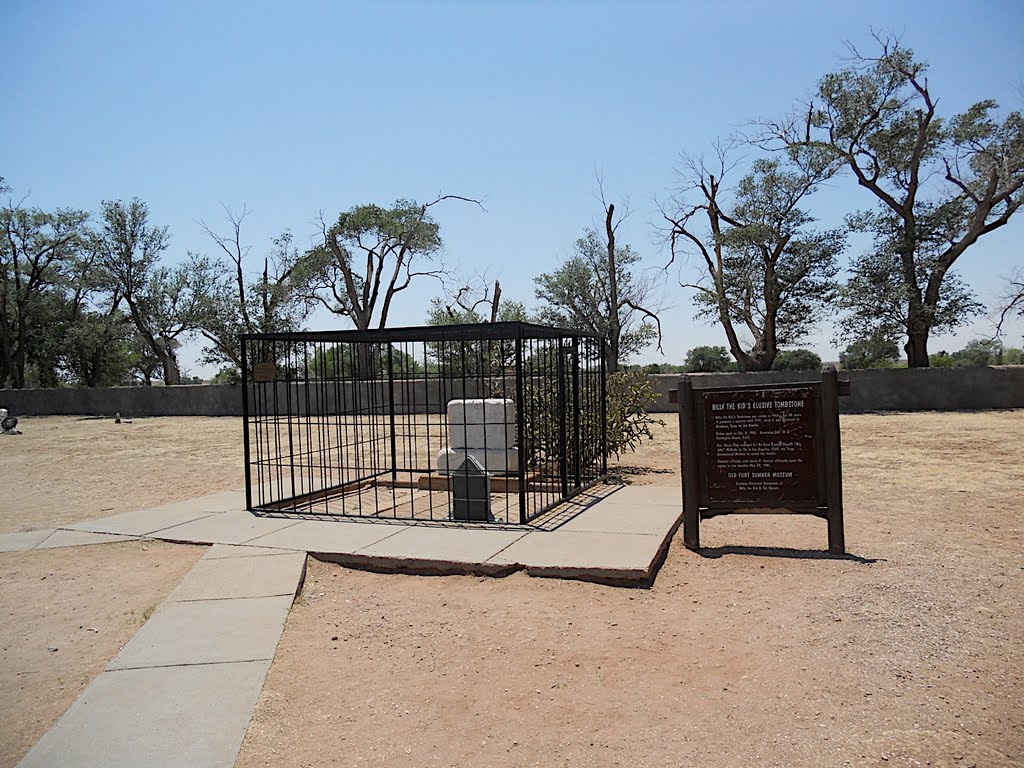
(65, 614)
(70, 469)
(759, 651)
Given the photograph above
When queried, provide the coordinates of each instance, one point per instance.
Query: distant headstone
(471, 493)
(8, 424)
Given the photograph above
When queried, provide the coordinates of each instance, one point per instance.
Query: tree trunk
(172, 373)
(614, 323)
(917, 348)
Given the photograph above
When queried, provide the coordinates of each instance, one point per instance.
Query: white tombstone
(484, 429)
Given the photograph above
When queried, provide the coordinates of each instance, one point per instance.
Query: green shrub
(627, 419)
(874, 351)
(796, 360)
(979, 352)
(706, 360)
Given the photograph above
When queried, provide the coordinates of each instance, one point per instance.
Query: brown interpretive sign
(760, 447)
(755, 449)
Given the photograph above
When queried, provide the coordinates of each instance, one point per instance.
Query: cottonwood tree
(275, 300)
(85, 341)
(940, 183)
(166, 304)
(369, 256)
(35, 246)
(598, 288)
(762, 271)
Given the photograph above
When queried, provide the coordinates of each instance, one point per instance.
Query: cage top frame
(468, 331)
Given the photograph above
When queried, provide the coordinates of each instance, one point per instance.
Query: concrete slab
(328, 536)
(430, 549)
(611, 558)
(207, 632)
(220, 579)
(221, 501)
(141, 522)
(80, 538)
(173, 717)
(622, 513)
(16, 542)
(224, 528)
(222, 551)
(648, 495)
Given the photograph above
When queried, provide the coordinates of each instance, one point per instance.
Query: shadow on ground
(797, 554)
(623, 475)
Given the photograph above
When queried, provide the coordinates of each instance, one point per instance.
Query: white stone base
(494, 461)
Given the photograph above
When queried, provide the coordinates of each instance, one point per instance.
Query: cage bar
(371, 424)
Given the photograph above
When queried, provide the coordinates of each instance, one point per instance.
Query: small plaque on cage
(264, 372)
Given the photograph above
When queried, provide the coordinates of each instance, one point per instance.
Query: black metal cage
(495, 422)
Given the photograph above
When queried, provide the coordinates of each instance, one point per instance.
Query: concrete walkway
(183, 690)
(181, 693)
(620, 538)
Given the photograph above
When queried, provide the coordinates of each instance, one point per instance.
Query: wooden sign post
(762, 449)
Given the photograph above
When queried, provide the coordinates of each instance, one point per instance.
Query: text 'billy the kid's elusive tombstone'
(762, 449)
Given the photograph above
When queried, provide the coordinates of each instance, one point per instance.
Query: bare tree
(599, 289)
(471, 299)
(1012, 302)
(274, 301)
(632, 301)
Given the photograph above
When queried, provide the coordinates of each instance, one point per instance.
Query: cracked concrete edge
(415, 566)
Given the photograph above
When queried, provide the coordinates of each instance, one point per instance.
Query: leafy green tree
(227, 375)
(1013, 356)
(347, 361)
(941, 359)
(578, 295)
(706, 360)
(873, 351)
(35, 247)
(762, 270)
(940, 183)
(371, 254)
(796, 360)
(166, 304)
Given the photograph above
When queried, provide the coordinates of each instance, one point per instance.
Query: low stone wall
(895, 389)
(187, 400)
(885, 389)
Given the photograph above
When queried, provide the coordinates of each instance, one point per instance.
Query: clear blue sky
(293, 108)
